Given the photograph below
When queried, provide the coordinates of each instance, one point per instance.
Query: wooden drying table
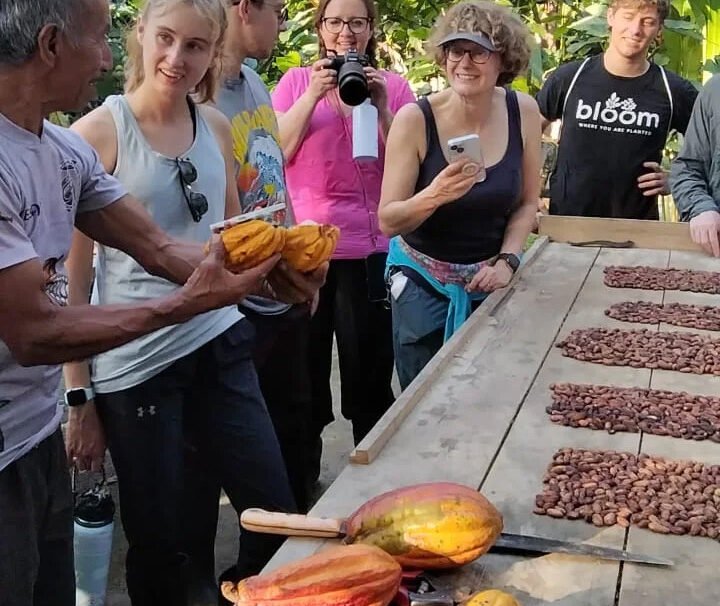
(476, 415)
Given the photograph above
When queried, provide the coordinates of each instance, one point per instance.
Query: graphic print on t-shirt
(611, 127)
(56, 283)
(260, 177)
(616, 115)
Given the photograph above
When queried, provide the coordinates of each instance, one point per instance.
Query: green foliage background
(562, 30)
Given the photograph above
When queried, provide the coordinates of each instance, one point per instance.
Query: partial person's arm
(294, 109)
(127, 226)
(39, 332)
(401, 211)
(80, 277)
(84, 436)
(690, 171)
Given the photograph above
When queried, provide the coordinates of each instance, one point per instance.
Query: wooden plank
(516, 475)
(693, 579)
(367, 451)
(645, 234)
(454, 433)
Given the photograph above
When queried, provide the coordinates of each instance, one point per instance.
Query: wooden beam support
(659, 235)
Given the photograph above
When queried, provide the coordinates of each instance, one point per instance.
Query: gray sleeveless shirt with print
(154, 180)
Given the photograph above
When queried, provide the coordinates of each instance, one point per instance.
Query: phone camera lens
(461, 149)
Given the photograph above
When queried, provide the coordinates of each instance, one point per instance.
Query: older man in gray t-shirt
(51, 53)
(36, 224)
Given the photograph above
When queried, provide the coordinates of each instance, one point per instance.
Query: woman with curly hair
(459, 225)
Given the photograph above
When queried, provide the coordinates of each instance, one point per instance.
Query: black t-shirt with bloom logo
(611, 125)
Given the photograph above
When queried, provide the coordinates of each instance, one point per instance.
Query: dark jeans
(418, 321)
(199, 424)
(36, 528)
(363, 330)
(281, 361)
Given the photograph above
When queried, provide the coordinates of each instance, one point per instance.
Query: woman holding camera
(328, 186)
(460, 213)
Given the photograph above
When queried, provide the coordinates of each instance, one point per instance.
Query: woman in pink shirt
(327, 186)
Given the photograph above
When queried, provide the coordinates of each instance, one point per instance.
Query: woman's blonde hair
(506, 30)
(213, 11)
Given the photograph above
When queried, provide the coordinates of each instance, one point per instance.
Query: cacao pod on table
(352, 575)
(428, 526)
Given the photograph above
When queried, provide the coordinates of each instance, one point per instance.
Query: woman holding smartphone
(462, 182)
(327, 185)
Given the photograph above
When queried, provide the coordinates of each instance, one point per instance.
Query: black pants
(174, 439)
(36, 528)
(363, 330)
(281, 361)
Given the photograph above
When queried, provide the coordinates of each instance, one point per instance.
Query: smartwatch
(77, 396)
(510, 258)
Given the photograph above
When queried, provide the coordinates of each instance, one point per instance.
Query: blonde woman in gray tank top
(180, 408)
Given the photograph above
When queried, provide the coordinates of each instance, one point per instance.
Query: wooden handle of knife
(290, 524)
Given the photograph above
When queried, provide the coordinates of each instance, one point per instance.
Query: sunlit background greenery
(562, 30)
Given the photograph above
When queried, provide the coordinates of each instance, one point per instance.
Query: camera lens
(460, 150)
(352, 83)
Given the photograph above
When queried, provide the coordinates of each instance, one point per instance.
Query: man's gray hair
(22, 20)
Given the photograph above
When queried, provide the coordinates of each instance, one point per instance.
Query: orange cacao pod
(307, 246)
(435, 525)
(251, 242)
(352, 575)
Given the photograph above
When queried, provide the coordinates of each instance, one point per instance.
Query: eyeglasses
(335, 25)
(197, 202)
(478, 55)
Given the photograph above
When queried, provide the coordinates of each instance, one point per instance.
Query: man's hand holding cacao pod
(306, 250)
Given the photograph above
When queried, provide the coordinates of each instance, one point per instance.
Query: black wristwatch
(77, 396)
(510, 258)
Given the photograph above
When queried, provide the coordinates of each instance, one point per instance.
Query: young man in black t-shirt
(616, 110)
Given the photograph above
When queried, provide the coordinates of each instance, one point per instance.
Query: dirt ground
(337, 443)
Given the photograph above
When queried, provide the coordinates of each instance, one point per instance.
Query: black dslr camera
(352, 82)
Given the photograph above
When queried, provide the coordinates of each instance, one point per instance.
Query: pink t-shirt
(325, 184)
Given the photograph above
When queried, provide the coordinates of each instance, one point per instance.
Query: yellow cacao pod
(492, 597)
(307, 246)
(352, 575)
(427, 526)
(250, 243)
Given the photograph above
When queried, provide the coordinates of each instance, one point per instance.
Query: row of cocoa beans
(682, 351)
(608, 487)
(656, 278)
(704, 317)
(654, 411)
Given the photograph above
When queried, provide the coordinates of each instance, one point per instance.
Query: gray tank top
(154, 180)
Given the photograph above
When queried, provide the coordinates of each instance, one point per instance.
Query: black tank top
(472, 228)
